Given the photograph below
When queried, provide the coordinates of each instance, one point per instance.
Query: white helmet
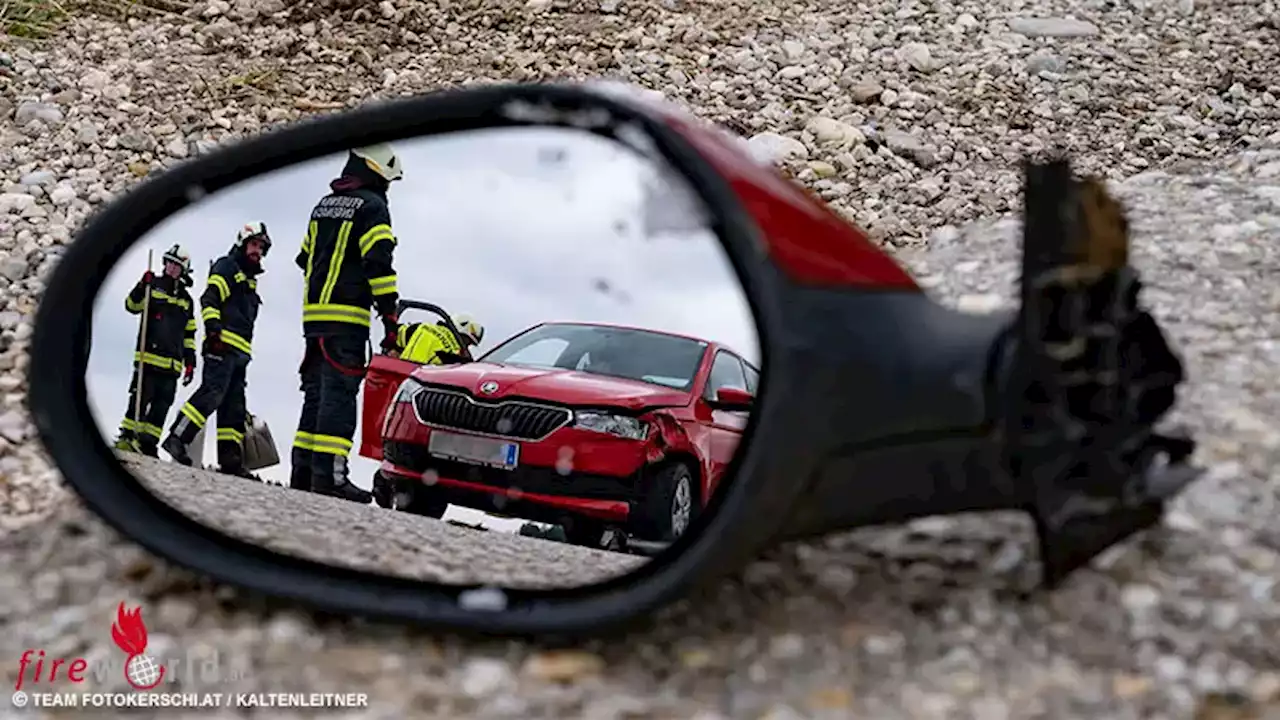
(179, 255)
(381, 159)
(471, 331)
(252, 230)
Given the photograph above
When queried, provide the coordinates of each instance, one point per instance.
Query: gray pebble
(1188, 100)
(46, 113)
(1053, 27)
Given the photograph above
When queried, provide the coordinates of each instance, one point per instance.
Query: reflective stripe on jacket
(171, 324)
(347, 263)
(423, 343)
(230, 304)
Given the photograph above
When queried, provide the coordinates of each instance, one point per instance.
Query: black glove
(147, 277)
(213, 344)
(391, 333)
(188, 375)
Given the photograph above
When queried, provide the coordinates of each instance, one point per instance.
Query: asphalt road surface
(371, 538)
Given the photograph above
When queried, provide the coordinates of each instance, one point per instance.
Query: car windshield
(616, 352)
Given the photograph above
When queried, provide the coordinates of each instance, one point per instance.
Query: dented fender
(671, 435)
(668, 434)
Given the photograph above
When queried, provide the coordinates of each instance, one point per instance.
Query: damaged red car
(592, 427)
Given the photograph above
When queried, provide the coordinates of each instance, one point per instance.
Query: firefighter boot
(147, 446)
(126, 443)
(231, 461)
(177, 449)
(300, 477)
(334, 483)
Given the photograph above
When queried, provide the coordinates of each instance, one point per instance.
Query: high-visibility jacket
(171, 324)
(347, 260)
(230, 301)
(422, 343)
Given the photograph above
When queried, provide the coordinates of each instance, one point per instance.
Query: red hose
(350, 372)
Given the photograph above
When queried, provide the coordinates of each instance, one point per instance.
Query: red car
(592, 427)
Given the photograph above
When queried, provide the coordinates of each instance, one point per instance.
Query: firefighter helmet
(254, 231)
(178, 255)
(381, 159)
(472, 332)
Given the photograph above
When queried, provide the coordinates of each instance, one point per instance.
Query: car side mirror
(732, 399)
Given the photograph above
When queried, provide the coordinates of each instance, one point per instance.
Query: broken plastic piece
(1091, 376)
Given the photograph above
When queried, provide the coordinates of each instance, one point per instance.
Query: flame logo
(130, 634)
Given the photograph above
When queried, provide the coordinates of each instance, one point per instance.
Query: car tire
(670, 505)
(422, 501)
(384, 492)
(584, 532)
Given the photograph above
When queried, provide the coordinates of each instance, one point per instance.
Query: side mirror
(733, 400)
(810, 282)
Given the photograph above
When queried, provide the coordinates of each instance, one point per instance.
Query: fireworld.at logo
(130, 635)
(142, 671)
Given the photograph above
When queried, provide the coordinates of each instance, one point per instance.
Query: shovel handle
(142, 344)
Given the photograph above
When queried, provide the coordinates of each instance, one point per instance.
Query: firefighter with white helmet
(347, 263)
(429, 344)
(167, 352)
(229, 309)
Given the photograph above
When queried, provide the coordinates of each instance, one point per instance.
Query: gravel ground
(370, 538)
(910, 117)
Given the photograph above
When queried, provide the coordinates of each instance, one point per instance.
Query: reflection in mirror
(525, 362)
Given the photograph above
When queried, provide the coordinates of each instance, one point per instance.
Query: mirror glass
(571, 365)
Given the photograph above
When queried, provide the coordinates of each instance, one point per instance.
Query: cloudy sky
(515, 226)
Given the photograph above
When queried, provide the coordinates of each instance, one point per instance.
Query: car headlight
(619, 425)
(408, 390)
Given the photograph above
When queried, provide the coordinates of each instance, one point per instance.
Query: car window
(633, 354)
(540, 353)
(726, 371)
(753, 378)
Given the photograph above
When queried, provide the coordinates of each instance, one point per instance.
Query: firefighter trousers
(221, 391)
(144, 421)
(332, 369)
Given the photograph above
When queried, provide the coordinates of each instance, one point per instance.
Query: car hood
(568, 387)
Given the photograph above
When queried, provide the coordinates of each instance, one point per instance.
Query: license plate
(472, 449)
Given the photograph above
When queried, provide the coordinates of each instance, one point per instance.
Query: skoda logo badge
(489, 388)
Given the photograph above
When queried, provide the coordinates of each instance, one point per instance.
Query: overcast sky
(515, 226)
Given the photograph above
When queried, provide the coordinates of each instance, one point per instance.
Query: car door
(726, 426)
(753, 378)
(380, 385)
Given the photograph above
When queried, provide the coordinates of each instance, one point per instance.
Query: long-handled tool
(142, 349)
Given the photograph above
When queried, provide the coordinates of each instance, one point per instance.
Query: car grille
(509, 418)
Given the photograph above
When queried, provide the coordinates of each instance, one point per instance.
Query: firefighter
(347, 264)
(168, 351)
(436, 344)
(229, 309)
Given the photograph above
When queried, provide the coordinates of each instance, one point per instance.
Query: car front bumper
(515, 495)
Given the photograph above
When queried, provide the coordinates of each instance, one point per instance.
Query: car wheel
(384, 492)
(421, 501)
(670, 505)
(584, 532)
